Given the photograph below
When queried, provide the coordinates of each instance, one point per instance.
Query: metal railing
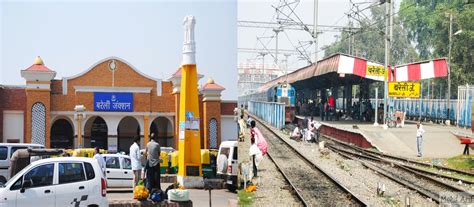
(434, 109)
(271, 112)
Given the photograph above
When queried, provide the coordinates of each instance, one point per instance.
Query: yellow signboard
(404, 89)
(374, 70)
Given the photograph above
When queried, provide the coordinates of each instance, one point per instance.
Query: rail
(401, 173)
(310, 195)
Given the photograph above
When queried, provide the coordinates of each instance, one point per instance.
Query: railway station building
(110, 103)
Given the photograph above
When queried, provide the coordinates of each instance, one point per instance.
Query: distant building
(252, 76)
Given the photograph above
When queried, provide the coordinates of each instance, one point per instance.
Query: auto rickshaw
(23, 157)
(208, 162)
(86, 152)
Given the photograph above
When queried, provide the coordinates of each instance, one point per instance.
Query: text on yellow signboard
(404, 89)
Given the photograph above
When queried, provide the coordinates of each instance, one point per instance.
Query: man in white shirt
(296, 134)
(256, 156)
(100, 159)
(135, 158)
(419, 138)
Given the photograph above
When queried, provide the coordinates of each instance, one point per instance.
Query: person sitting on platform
(296, 134)
(311, 133)
(317, 126)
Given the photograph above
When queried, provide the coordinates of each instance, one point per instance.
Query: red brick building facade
(120, 102)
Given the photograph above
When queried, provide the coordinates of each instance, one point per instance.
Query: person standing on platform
(419, 138)
(259, 139)
(152, 167)
(322, 114)
(332, 107)
(242, 126)
(99, 159)
(135, 158)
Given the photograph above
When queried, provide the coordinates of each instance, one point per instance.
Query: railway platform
(438, 141)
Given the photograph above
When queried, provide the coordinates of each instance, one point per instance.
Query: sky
(71, 36)
(330, 12)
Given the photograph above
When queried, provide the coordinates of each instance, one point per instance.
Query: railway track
(313, 186)
(425, 184)
(424, 168)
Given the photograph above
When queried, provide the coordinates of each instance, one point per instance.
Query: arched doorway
(127, 129)
(95, 133)
(162, 127)
(62, 134)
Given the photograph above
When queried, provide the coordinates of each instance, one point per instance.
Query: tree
(368, 41)
(427, 23)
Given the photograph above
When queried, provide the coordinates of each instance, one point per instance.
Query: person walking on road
(135, 158)
(152, 167)
(419, 138)
(258, 136)
(99, 159)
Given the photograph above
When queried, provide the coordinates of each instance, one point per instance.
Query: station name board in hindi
(404, 89)
(374, 70)
(122, 102)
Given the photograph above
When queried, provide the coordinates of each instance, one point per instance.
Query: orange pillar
(146, 129)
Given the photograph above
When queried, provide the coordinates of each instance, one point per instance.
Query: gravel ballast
(358, 179)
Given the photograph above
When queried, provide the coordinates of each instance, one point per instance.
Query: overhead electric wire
(369, 26)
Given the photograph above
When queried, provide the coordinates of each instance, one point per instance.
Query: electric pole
(276, 30)
(286, 65)
(388, 20)
(449, 63)
(315, 31)
(263, 61)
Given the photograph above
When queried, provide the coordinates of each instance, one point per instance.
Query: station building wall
(154, 108)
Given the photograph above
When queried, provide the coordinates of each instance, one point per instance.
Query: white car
(6, 151)
(64, 181)
(227, 163)
(118, 171)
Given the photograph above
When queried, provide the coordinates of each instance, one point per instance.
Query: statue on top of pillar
(189, 47)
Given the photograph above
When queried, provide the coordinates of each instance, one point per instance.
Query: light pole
(449, 61)
(79, 115)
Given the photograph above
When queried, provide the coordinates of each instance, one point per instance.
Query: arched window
(213, 134)
(38, 124)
